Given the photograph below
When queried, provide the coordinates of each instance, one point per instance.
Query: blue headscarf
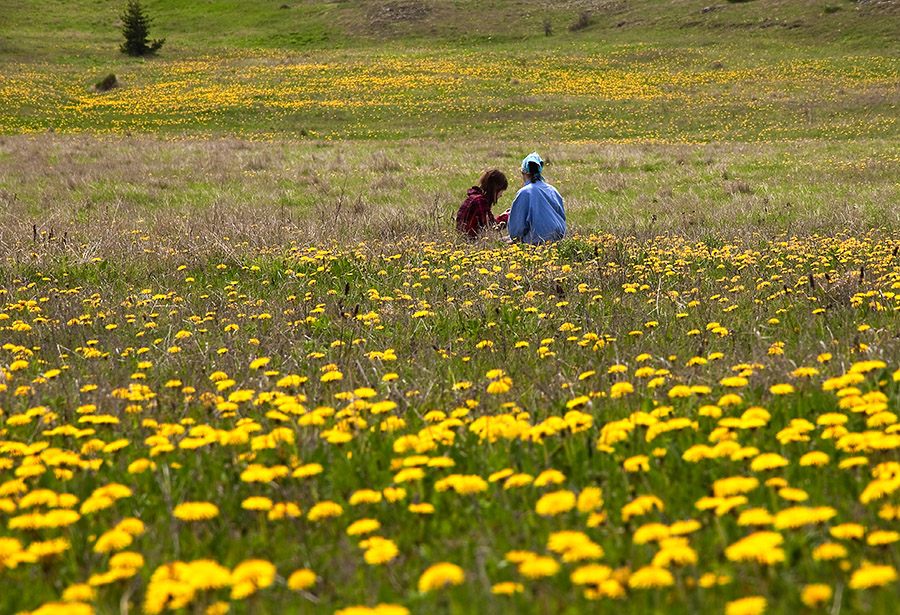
(535, 158)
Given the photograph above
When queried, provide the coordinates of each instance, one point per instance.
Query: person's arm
(483, 216)
(562, 213)
(462, 218)
(519, 217)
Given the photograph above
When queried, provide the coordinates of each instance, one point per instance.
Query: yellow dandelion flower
(590, 499)
(768, 461)
(365, 496)
(781, 389)
(81, 592)
(126, 559)
(650, 577)
(310, 469)
(793, 494)
(257, 503)
(829, 551)
(250, 576)
(394, 494)
(260, 362)
(882, 537)
(379, 550)
(206, 575)
(537, 567)
(196, 511)
(507, 588)
(761, 547)
(555, 503)
(441, 575)
(499, 386)
(872, 576)
(756, 516)
(549, 477)
(650, 532)
(815, 595)
(113, 540)
(301, 579)
(363, 526)
(324, 510)
(591, 574)
(621, 389)
(848, 531)
(751, 605)
(815, 458)
(331, 376)
(735, 382)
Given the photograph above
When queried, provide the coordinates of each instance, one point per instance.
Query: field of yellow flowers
(620, 93)
(647, 425)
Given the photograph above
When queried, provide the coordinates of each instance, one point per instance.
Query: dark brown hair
(493, 182)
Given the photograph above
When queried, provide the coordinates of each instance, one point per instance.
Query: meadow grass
(265, 368)
(94, 188)
(674, 75)
(587, 92)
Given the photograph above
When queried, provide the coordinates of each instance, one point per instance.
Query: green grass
(191, 27)
(338, 70)
(310, 305)
(282, 183)
(93, 188)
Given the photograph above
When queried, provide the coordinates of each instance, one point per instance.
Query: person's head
(493, 183)
(532, 167)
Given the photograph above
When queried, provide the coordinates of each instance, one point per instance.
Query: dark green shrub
(136, 29)
(583, 21)
(107, 83)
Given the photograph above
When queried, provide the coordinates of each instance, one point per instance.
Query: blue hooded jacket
(537, 214)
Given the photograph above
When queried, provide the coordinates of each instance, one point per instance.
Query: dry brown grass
(97, 195)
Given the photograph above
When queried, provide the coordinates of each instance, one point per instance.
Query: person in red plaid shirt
(475, 214)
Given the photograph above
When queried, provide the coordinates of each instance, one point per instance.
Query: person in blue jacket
(537, 214)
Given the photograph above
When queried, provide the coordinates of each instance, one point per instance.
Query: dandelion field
(191, 434)
(621, 93)
(246, 366)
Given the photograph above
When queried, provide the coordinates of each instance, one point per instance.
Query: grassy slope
(147, 205)
(814, 91)
(89, 28)
(642, 70)
(92, 188)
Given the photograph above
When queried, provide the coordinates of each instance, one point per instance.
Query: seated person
(537, 213)
(474, 215)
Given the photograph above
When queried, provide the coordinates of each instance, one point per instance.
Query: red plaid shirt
(474, 214)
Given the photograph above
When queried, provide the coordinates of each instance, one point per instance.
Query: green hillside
(722, 107)
(88, 28)
(636, 71)
(248, 366)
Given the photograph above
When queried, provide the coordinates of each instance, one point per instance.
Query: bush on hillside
(136, 29)
(583, 21)
(107, 83)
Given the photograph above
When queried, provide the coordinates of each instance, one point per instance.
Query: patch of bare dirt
(399, 12)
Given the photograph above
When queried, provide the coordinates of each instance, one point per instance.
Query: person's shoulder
(549, 187)
(526, 189)
(551, 191)
(478, 199)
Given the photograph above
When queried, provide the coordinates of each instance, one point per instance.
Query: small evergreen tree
(136, 29)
